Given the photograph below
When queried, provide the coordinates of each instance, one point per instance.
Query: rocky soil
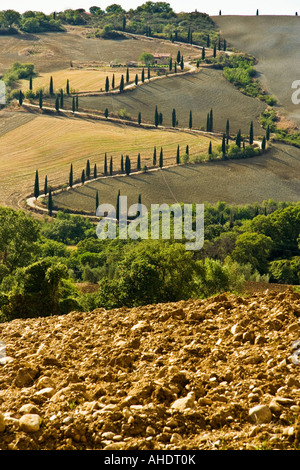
(220, 373)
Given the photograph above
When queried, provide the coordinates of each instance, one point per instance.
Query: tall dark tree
(107, 84)
(136, 79)
(88, 169)
(143, 75)
(160, 119)
(227, 131)
(106, 113)
(215, 50)
(207, 123)
(95, 171)
(57, 103)
(76, 103)
(154, 156)
(138, 165)
(251, 133)
(124, 23)
(178, 57)
(122, 164)
(118, 206)
(105, 164)
(41, 99)
(181, 63)
(178, 155)
(161, 158)
(71, 176)
(46, 185)
(21, 97)
(111, 166)
(73, 104)
(61, 98)
(156, 117)
(50, 203)
(170, 64)
(127, 165)
(139, 118)
(127, 75)
(97, 200)
(187, 150)
(82, 176)
(208, 41)
(268, 133)
(68, 87)
(122, 83)
(224, 45)
(238, 139)
(149, 73)
(211, 120)
(224, 145)
(203, 53)
(257, 12)
(263, 144)
(36, 185)
(30, 82)
(51, 91)
(174, 117)
(175, 67)
(113, 81)
(190, 120)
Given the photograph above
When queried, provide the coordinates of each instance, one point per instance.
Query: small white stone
(30, 422)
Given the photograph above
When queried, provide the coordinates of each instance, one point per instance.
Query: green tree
(210, 149)
(50, 203)
(203, 53)
(178, 155)
(127, 165)
(139, 118)
(68, 87)
(40, 99)
(143, 75)
(97, 199)
(263, 144)
(253, 248)
(57, 103)
(21, 98)
(174, 118)
(106, 113)
(105, 164)
(178, 57)
(138, 166)
(113, 81)
(251, 133)
(122, 84)
(156, 117)
(111, 166)
(122, 164)
(127, 75)
(88, 169)
(82, 177)
(238, 139)
(224, 146)
(61, 98)
(51, 91)
(95, 171)
(190, 120)
(146, 58)
(154, 156)
(161, 158)
(73, 105)
(30, 82)
(227, 131)
(107, 84)
(46, 185)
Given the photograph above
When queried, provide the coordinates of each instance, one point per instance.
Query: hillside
(274, 41)
(219, 373)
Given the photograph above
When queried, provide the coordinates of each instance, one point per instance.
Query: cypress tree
(139, 118)
(50, 203)
(76, 103)
(73, 105)
(105, 164)
(122, 164)
(95, 171)
(189, 35)
(41, 99)
(88, 170)
(140, 199)
(257, 12)
(71, 176)
(208, 41)
(227, 131)
(82, 176)
(219, 44)
(30, 82)
(143, 75)
(156, 117)
(138, 162)
(57, 103)
(178, 155)
(203, 53)
(263, 144)
(173, 117)
(124, 23)
(215, 50)
(175, 67)
(97, 200)
(61, 98)
(68, 87)
(154, 156)
(51, 86)
(210, 149)
(113, 81)
(106, 84)
(106, 113)
(36, 185)
(122, 83)
(46, 185)
(238, 139)
(175, 35)
(178, 57)
(127, 75)
(118, 206)
(182, 63)
(251, 133)
(268, 133)
(223, 145)
(136, 80)
(21, 97)
(170, 64)
(111, 166)
(149, 73)
(187, 151)
(211, 120)
(190, 120)
(224, 45)
(161, 158)
(160, 118)
(127, 165)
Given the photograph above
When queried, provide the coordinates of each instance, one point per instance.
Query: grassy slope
(275, 42)
(50, 144)
(274, 175)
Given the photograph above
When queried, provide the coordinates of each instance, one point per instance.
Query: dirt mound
(220, 373)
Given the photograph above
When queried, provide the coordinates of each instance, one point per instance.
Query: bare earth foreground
(219, 373)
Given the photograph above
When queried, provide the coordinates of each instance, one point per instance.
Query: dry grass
(50, 144)
(81, 80)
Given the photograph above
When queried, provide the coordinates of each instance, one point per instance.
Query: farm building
(161, 58)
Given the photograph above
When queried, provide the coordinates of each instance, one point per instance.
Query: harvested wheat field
(214, 374)
(275, 42)
(199, 92)
(274, 175)
(61, 141)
